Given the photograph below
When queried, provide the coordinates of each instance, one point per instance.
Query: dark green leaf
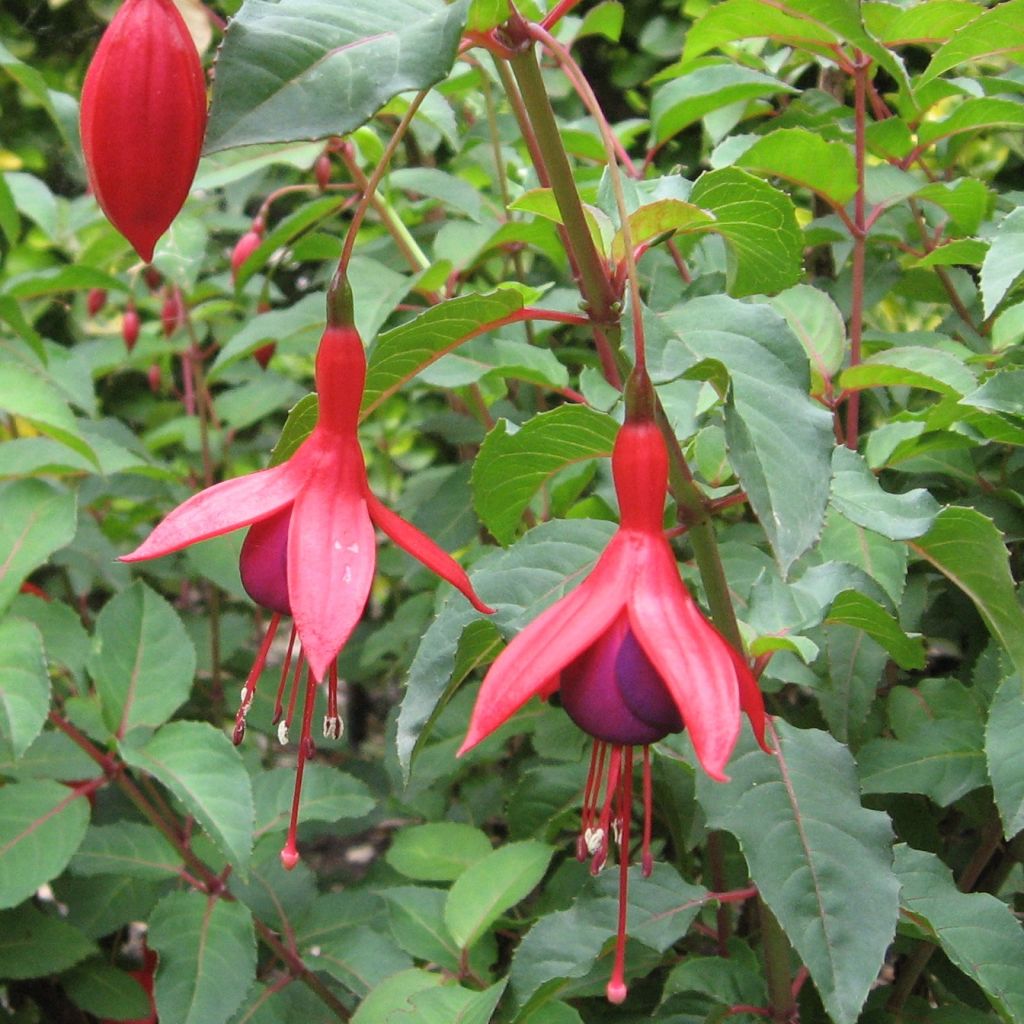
(1005, 753)
(826, 872)
(1004, 263)
(142, 660)
(976, 931)
(24, 685)
(858, 610)
(266, 92)
(510, 468)
(41, 825)
(328, 794)
(38, 519)
(34, 944)
(207, 950)
(126, 848)
(967, 548)
(199, 765)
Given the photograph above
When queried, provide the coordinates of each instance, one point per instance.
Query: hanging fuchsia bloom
(311, 549)
(633, 660)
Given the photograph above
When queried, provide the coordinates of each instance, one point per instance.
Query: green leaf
(126, 848)
(492, 885)
(207, 950)
(265, 92)
(360, 958)
(805, 159)
(24, 685)
(399, 354)
(416, 917)
(1004, 263)
(519, 583)
(202, 768)
(780, 441)
(728, 980)
(451, 1004)
(968, 549)
(662, 217)
(393, 994)
(848, 683)
(688, 98)
(543, 203)
(1005, 753)
(975, 930)
(328, 794)
(29, 395)
(826, 873)
(105, 991)
(997, 32)
(1002, 392)
(764, 246)
(142, 660)
(972, 115)
(439, 851)
(41, 825)
(913, 366)
(883, 560)
(857, 494)
(966, 200)
(858, 610)
(38, 519)
(959, 251)
(510, 468)
(486, 14)
(815, 319)
(34, 944)
(565, 945)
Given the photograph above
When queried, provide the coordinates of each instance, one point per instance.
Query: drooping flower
(143, 116)
(311, 549)
(632, 659)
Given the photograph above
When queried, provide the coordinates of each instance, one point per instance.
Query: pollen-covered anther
(333, 727)
(282, 733)
(594, 839)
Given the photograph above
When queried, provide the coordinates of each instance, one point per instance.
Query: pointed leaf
(511, 467)
(858, 610)
(998, 31)
(1004, 263)
(491, 886)
(34, 944)
(265, 92)
(1005, 753)
(24, 685)
(199, 765)
(978, 932)
(827, 872)
(41, 825)
(142, 660)
(439, 851)
(38, 519)
(126, 848)
(328, 794)
(207, 950)
(968, 549)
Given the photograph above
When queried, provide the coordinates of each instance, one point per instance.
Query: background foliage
(825, 196)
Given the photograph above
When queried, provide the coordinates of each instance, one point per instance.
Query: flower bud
(155, 378)
(95, 300)
(172, 313)
(244, 248)
(130, 326)
(143, 115)
(322, 171)
(264, 354)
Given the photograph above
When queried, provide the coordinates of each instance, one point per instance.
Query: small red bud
(172, 315)
(244, 248)
(322, 171)
(130, 326)
(155, 378)
(264, 354)
(95, 300)
(143, 115)
(152, 278)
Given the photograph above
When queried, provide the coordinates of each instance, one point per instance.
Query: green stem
(594, 283)
(777, 970)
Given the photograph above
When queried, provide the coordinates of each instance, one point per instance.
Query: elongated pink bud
(130, 326)
(143, 116)
(244, 248)
(95, 300)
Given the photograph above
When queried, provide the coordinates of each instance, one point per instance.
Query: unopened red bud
(130, 324)
(244, 248)
(155, 378)
(152, 277)
(264, 354)
(322, 170)
(172, 314)
(143, 115)
(95, 300)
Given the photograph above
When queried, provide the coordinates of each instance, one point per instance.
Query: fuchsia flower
(633, 660)
(311, 549)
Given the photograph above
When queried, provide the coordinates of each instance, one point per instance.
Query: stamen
(249, 690)
(293, 696)
(333, 725)
(284, 677)
(616, 988)
(290, 852)
(610, 788)
(646, 860)
(583, 841)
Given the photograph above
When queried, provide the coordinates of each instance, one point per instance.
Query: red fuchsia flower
(143, 116)
(311, 550)
(633, 660)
